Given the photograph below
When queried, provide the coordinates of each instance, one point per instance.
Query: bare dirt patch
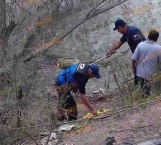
(130, 126)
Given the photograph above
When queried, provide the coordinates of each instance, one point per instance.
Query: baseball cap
(119, 23)
(95, 70)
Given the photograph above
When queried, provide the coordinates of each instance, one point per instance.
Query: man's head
(153, 35)
(94, 71)
(121, 26)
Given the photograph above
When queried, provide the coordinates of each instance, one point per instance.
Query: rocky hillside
(45, 32)
(41, 22)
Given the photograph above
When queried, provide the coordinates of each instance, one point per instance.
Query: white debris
(52, 140)
(66, 127)
(99, 93)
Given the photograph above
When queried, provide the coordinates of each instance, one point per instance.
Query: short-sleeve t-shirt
(147, 55)
(81, 81)
(133, 37)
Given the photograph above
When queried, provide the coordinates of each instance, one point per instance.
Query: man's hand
(87, 103)
(109, 53)
(114, 48)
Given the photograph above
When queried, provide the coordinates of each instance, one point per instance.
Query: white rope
(99, 60)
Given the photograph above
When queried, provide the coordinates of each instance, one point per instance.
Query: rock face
(44, 21)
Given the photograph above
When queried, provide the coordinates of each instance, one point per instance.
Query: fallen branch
(31, 137)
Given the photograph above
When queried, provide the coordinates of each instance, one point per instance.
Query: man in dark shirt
(132, 35)
(74, 79)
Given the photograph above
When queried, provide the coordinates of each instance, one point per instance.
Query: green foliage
(137, 97)
(9, 91)
(4, 92)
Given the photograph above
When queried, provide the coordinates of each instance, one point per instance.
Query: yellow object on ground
(99, 112)
(87, 116)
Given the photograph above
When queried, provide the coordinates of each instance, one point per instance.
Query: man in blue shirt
(132, 35)
(74, 79)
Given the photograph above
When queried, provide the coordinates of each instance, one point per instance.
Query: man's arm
(135, 58)
(81, 83)
(114, 48)
(87, 103)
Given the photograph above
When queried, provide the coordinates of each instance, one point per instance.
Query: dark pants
(146, 88)
(68, 103)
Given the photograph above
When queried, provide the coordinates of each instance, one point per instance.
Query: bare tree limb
(92, 13)
(25, 9)
(31, 137)
(2, 15)
(88, 16)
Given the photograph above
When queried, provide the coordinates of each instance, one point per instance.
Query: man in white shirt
(145, 60)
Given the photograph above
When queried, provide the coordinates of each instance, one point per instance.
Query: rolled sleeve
(123, 38)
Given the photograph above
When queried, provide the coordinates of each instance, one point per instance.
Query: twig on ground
(115, 79)
(31, 137)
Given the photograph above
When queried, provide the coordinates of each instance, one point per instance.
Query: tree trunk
(2, 17)
(2, 27)
(4, 31)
